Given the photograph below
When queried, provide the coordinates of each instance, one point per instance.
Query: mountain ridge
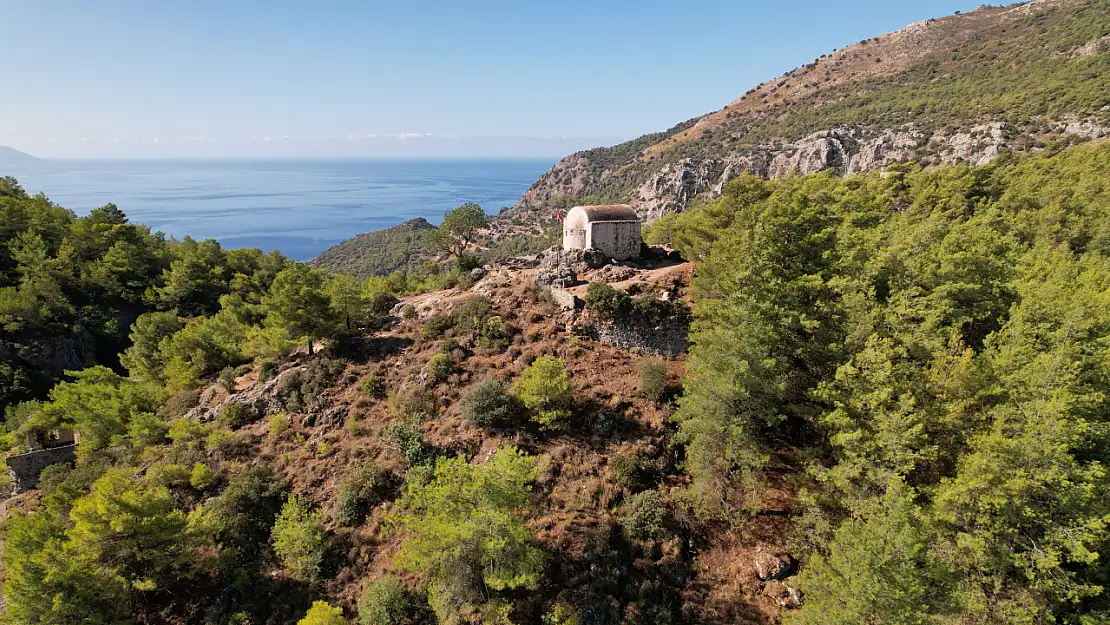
(962, 88)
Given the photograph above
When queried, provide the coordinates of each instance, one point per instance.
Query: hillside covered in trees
(894, 411)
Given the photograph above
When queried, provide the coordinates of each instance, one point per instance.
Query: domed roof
(608, 212)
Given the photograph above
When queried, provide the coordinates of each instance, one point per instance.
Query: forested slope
(894, 411)
(925, 352)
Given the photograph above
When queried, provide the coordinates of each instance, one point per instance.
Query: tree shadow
(367, 349)
(599, 425)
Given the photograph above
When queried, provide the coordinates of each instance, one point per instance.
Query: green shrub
(226, 379)
(374, 386)
(546, 390)
(180, 403)
(448, 346)
(653, 379)
(322, 613)
(299, 542)
(299, 389)
(408, 438)
(439, 367)
(632, 472)
(242, 516)
(490, 405)
(171, 474)
(202, 477)
(607, 302)
(235, 415)
(267, 369)
(362, 489)
(279, 423)
(381, 303)
(562, 614)
(384, 602)
(414, 404)
(437, 325)
(470, 317)
(643, 516)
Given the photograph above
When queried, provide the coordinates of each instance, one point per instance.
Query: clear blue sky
(226, 77)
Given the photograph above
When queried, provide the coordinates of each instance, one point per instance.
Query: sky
(332, 78)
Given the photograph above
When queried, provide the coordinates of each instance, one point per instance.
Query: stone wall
(26, 468)
(667, 338)
(616, 239)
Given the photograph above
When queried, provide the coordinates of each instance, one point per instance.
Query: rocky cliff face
(843, 150)
(959, 89)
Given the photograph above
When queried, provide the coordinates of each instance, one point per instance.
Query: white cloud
(405, 136)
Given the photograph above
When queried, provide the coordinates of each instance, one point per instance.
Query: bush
(180, 403)
(267, 369)
(279, 423)
(322, 613)
(226, 379)
(363, 488)
(437, 325)
(653, 379)
(384, 602)
(381, 303)
(632, 472)
(471, 316)
(448, 346)
(235, 415)
(242, 516)
(408, 438)
(546, 390)
(607, 302)
(439, 367)
(299, 389)
(643, 516)
(374, 387)
(490, 405)
(414, 404)
(298, 541)
(202, 477)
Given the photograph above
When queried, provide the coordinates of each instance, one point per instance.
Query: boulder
(477, 274)
(560, 277)
(770, 566)
(595, 259)
(566, 300)
(785, 595)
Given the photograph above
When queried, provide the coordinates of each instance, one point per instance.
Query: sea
(300, 207)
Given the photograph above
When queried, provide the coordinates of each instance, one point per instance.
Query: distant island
(12, 156)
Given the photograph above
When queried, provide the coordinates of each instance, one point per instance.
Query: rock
(614, 273)
(477, 273)
(566, 300)
(595, 259)
(199, 413)
(560, 277)
(330, 418)
(769, 566)
(786, 595)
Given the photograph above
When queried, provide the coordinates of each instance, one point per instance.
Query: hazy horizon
(129, 79)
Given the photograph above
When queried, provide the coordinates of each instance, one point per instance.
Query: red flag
(558, 215)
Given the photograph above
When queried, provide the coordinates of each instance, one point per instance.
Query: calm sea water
(298, 206)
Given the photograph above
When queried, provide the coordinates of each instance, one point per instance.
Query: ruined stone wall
(617, 239)
(667, 338)
(26, 468)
